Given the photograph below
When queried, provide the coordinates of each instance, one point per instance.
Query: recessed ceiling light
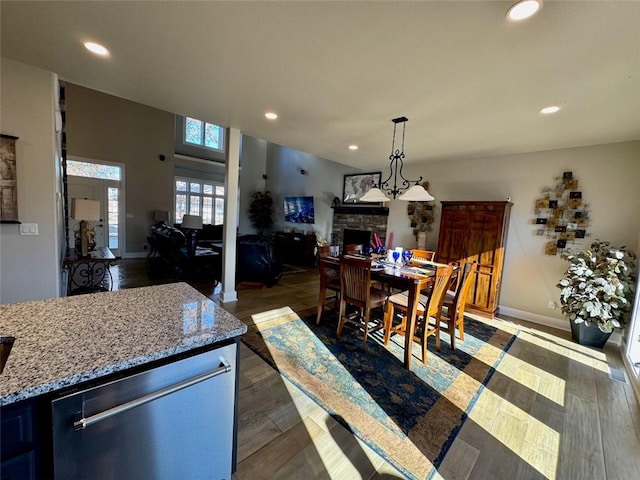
(96, 48)
(523, 9)
(353, 147)
(271, 115)
(549, 110)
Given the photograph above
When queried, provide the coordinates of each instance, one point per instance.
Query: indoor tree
(261, 211)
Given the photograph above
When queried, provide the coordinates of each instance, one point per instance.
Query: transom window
(203, 134)
(93, 170)
(198, 197)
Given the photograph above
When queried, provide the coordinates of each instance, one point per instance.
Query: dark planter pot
(590, 336)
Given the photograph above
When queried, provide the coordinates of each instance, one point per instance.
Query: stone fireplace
(358, 218)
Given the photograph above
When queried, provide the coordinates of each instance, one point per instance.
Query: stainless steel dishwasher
(174, 421)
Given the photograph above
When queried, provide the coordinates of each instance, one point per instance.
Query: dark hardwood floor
(550, 411)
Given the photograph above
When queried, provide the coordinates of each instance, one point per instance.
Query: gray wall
(323, 180)
(104, 127)
(30, 266)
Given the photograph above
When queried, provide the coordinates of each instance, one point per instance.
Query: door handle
(83, 423)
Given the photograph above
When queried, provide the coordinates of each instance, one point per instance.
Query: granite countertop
(61, 342)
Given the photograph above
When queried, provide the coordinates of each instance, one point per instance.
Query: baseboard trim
(535, 318)
(615, 337)
(135, 254)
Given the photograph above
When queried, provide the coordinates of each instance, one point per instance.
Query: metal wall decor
(562, 215)
(421, 214)
(8, 180)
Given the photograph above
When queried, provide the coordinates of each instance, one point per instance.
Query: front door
(107, 192)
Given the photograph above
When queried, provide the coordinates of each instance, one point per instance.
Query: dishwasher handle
(83, 423)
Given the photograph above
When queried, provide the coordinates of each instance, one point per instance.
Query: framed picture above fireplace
(355, 186)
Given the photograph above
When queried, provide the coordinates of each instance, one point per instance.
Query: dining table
(412, 278)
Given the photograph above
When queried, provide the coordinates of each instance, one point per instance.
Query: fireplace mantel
(361, 210)
(372, 218)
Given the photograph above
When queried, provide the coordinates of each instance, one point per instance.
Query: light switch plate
(28, 229)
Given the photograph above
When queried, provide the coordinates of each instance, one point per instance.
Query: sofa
(256, 261)
(255, 258)
(169, 244)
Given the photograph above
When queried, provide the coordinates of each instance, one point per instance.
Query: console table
(295, 248)
(89, 274)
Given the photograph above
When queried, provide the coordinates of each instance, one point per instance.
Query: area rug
(409, 417)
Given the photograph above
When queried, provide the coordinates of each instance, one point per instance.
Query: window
(93, 170)
(203, 134)
(113, 202)
(198, 197)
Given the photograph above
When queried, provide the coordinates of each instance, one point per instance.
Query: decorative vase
(590, 336)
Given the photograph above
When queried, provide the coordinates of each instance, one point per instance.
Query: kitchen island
(76, 344)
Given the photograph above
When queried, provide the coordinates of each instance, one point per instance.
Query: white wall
(608, 176)
(30, 265)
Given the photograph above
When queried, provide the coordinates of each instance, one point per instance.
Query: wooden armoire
(476, 231)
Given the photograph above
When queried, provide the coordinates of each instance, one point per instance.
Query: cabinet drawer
(17, 430)
(21, 467)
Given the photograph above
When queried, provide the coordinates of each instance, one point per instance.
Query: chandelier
(415, 193)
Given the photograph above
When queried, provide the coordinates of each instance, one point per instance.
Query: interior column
(229, 234)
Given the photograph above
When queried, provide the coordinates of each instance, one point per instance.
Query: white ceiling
(471, 83)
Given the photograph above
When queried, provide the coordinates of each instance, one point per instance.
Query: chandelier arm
(396, 164)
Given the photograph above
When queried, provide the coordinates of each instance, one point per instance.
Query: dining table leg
(412, 304)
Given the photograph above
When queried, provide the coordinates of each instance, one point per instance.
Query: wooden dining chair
(455, 302)
(356, 290)
(428, 308)
(352, 248)
(423, 255)
(329, 280)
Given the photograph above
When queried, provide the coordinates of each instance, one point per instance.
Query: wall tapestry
(421, 218)
(562, 215)
(8, 180)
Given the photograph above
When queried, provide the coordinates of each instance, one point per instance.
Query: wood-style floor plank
(550, 411)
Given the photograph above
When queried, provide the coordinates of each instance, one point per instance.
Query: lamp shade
(83, 209)
(193, 222)
(374, 195)
(161, 215)
(417, 193)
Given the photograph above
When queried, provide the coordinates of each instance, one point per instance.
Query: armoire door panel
(476, 231)
(454, 236)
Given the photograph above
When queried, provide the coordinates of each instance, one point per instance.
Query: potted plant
(597, 291)
(261, 211)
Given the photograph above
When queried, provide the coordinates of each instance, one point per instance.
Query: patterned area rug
(409, 417)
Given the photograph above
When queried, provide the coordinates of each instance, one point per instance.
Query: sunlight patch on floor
(536, 379)
(571, 353)
(269, 315)
(528, 437)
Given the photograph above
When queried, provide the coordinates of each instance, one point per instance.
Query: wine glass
(396, 256)
(406, 256)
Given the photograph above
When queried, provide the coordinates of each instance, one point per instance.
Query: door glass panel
(113, 194)
(181, 207)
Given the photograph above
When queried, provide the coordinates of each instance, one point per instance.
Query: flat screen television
(299, 209)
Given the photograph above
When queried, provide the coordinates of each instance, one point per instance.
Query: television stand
(295, 248)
